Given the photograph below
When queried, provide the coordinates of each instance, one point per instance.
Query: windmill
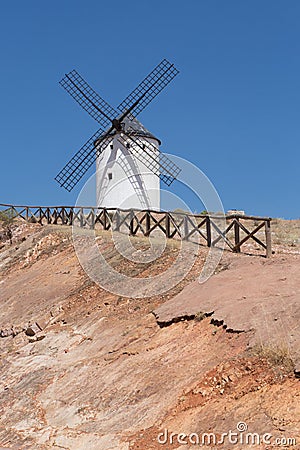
(128, 160)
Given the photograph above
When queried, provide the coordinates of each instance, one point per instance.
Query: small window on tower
(111, 146)
(109, 175)
(127, 145)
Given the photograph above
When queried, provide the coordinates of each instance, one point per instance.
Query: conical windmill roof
(134, 128)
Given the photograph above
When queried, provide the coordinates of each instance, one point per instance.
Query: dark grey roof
(133, 127)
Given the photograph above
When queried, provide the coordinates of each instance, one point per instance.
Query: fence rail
(233, 230)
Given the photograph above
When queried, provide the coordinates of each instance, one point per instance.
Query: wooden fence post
(92, 224)
(148, 223)
(268, 238)
(63, 216)
(104, 212)
(71, 216)
(131, 223)
(48, 216)
(40, 215)
(185, 228)
(208, 231)
(237, 235)
(167, 221)
(81, 218)
(118, 220)
(54, 215)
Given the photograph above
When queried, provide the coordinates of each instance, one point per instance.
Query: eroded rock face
(99, 373)
(252, 295)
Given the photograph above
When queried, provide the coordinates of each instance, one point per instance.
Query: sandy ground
(103, 371)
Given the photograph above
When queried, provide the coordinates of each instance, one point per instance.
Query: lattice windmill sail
(128, 160)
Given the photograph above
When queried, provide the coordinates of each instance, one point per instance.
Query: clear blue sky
(233, 111)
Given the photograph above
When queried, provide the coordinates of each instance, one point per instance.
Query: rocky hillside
(83, 368)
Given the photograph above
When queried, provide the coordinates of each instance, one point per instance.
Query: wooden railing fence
(232, 229)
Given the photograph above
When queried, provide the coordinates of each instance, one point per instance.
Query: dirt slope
(254, 294)
(100, 373)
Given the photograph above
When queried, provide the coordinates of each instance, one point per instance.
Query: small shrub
(199, 316)
(276, 355)
(6, 220)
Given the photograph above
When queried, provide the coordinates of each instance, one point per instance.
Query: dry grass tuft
(200, 316)
(277, 355)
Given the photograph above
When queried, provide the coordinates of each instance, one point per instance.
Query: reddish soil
(100, 373)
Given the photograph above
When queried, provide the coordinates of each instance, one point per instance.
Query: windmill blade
(152, 158)
(75, 169)
(88, 99)
(149, 88)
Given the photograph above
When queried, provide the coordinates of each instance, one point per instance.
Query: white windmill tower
(128, 160)
(122, 179)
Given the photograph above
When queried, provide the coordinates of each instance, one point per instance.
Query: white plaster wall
(132, 184)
